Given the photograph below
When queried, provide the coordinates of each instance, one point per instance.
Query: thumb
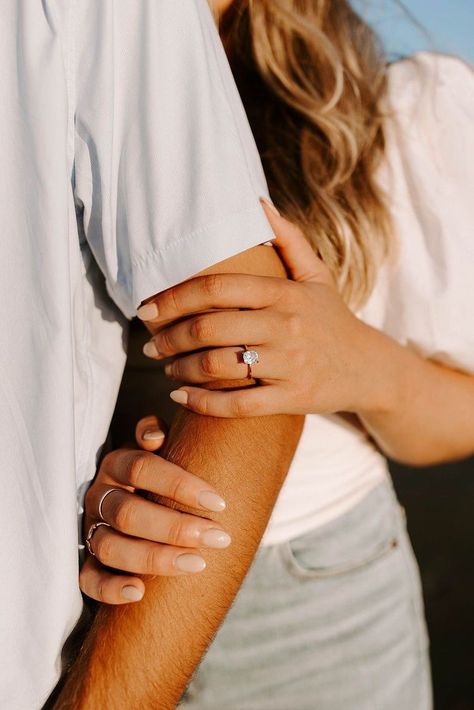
(297, 254)
(150, 433)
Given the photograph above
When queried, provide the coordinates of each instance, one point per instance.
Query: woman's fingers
(224, 364)
(205, 293)
(113, 549)
(214, 329)
(296, 252)
(135, 516)
(108, 588)
(148, 472)
(251, 402)
(150, 433)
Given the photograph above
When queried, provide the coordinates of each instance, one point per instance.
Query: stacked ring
(101, 502)
(90, 535)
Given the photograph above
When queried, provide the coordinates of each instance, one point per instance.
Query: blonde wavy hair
(312, 78)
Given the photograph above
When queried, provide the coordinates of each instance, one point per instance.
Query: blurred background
(439, 501)
(407, 27)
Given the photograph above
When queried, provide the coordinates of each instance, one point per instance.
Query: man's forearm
(142, 656)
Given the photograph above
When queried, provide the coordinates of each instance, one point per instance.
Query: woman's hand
(314, 354)
(144, 537)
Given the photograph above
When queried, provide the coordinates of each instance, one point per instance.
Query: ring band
(90, 535)
(101, 502)
(250, 357)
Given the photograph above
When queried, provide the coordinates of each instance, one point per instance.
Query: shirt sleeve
(167, 176)
(425, 296)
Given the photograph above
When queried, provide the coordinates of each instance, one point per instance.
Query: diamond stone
(250, 357)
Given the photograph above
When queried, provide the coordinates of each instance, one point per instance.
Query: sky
(446, 25)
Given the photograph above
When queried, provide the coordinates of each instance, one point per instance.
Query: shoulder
(429, 80)
(430, 126)
(425, 295)
(430, 106)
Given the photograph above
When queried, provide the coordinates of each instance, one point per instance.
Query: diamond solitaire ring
(250, 357)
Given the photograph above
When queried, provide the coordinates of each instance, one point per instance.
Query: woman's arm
(428, 413)
(314, 356)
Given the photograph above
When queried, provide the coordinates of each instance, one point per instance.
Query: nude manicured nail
(153, 435)
(270, 206)
(149, 349)
(190, 563)
(132, 594)
(217, 539)
(211, 501)
(148, 312)
(180, 396)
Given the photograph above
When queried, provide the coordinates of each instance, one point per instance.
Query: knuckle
(83, 580)
(136, 467)
(201, 403)
(173, 300)
(174, 369)
(290, 292)
(103, 548)
(123, 515)
(297, 362)
(152, 561)
(241, 406)
(212, 285)
(101, 595)
(178, 488)
(108, 464)
(108, 459)
(168, 301)
(89, 498)
(176, 532)
(165, 341)
(211, 363)
(201, 329)
(293, 325)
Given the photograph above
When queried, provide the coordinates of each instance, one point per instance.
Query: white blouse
(424, 298)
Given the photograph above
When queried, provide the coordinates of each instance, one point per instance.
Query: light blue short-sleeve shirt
(126, 165)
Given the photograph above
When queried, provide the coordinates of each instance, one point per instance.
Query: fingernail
(179, 396)
(168, 369)
(190, 563)
(270, 206)
(150, 350)
(148, 312)
(153, 435)
(211, 501)
(132, 594)
(217, 539)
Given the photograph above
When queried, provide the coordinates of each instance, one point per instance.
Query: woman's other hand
(142, 537)
(313, 352)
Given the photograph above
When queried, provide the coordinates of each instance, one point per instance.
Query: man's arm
(142, 656)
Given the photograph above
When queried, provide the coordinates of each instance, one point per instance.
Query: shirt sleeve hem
(163, 268)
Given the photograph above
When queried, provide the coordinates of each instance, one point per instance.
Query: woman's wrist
(382, 380)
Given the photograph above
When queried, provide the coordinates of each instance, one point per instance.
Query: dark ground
(439, 504)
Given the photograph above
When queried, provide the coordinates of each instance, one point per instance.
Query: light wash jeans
(332, 620)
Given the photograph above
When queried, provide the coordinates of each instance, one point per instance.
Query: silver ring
(250, 357)
(90, 535)
(101, 502)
